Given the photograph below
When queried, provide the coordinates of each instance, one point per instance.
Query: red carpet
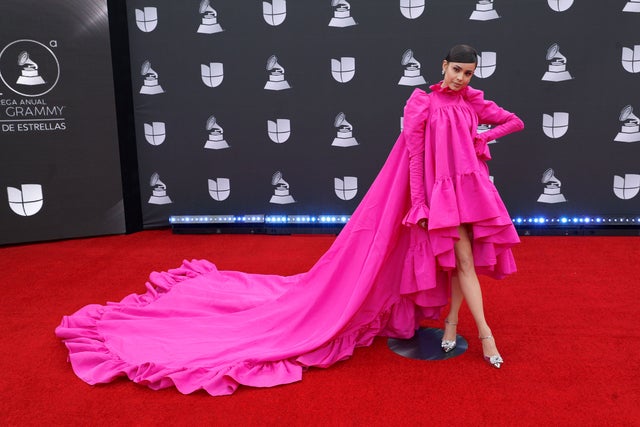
(566, 324)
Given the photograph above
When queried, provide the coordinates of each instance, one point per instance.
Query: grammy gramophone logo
(151, 82)
(29, 68)
(412, 70)
(344, 136)
(557, 71)
(626, 187)
(484, 11)
(209, 17)
(216, 139)
(277, 80)
(147, 19)
(412, 9)
(281, 194)
(341, 14)
(159, 191)
(274, 12)
(632, 6)
(552, 188)
(26, 200)
(630, 130)
(219, 189)
(560, 5)
(555, 125)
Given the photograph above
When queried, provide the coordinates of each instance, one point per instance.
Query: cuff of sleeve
(482, 147)
(415, 214)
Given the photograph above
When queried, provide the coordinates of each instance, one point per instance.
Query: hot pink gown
(200, 328)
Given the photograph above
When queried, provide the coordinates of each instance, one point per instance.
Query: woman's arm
(415, 115)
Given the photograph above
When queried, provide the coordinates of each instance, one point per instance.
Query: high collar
(438, 88)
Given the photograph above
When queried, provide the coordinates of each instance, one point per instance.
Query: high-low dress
(197, 327)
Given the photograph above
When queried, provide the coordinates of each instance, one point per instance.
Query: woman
(451, 193)
(200, 328)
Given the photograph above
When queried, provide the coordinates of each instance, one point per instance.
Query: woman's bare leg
(469, 286)
(454, 309)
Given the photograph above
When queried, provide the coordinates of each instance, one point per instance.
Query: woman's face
(457, 75)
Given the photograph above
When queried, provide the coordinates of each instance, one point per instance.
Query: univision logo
(411, 9)
(27, 200)
(555, 125)
(29, 68)
(147, 19)
(274, 12)
(560, 5)
(626, 187)
(346, 187)
(219, 188)
(343, 69)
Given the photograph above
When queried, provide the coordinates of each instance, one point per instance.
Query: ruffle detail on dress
(415, 214)
(472, 199)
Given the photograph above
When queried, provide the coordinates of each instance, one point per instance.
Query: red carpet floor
(566, 323)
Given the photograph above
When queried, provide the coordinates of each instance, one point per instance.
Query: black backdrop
(59, 161)
(591, 93)
(64, 165)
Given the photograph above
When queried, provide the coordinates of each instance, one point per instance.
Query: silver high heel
(447, 345)
(495, 361)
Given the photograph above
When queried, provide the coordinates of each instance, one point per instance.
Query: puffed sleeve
(415, 115)
(504, 122)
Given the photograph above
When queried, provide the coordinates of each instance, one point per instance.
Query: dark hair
(462, 53)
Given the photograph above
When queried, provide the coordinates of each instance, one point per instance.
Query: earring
(443, 72)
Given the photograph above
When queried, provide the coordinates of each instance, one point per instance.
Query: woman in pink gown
(429, 221)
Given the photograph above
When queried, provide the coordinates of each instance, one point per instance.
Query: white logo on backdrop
(26, 201)
(630, 131)
(279, 130)
(29, 75)
(341, 14)
(631, 59)
(155, 132)
(281, 195)
(344, 137)
(275, 12)
(551, 193)
(151, 84)
(555, 125)
(159, 192)
(209, 23)
(212, 74)
(147, 19)
(412, 68)
(482, 128)
(411, 9)
(487, 63)
(216, 135)
(484, 11)
(277, 80)
(557, 71)
(29, 55)
(560, 5)
(632, 6)
(346, 188)
(626, 187)
(343, 69)
(219, 188)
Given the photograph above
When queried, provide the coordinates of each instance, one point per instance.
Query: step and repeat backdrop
(290, 107)
(59, 161)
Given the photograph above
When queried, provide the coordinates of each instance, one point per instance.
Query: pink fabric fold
(198, 328)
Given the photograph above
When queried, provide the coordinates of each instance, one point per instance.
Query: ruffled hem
(472, 199)
(94, 362)
(415, 214)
